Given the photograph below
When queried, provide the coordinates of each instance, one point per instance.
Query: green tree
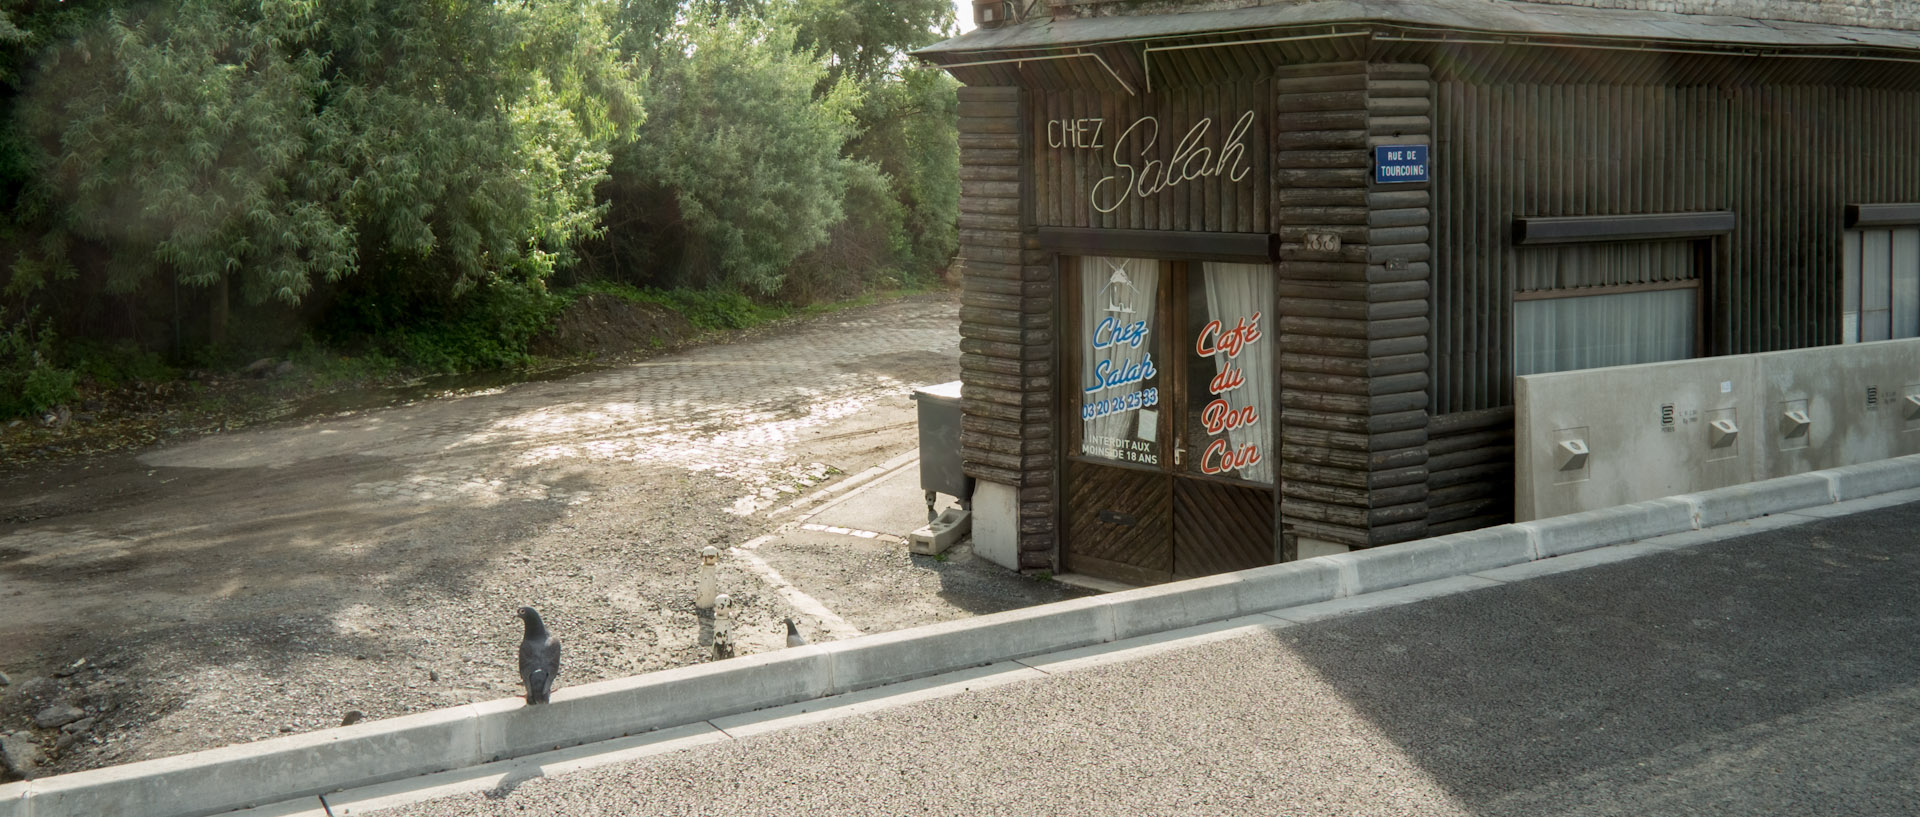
(738, 169)
(906, 124)
(289, 142)
(866, 39)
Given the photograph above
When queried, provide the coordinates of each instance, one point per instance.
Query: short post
(709, 565)
(722, 625)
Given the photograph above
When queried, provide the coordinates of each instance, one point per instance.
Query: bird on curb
(539, 657)
(794, 638)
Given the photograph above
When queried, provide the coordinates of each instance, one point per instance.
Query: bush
(29, 382)
(491, 328)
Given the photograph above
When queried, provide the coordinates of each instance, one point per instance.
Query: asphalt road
(1773, 674)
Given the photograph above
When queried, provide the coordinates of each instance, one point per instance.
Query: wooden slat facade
(1353, 319)
(1785, 160)
(1469, 470)
(1007, 357)
(1395, 348)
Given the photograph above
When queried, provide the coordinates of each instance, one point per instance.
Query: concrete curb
(279, 769)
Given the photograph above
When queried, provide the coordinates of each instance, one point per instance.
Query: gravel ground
(245, 585)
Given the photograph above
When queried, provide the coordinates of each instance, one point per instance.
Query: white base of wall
(1310, 548)
(996, 524)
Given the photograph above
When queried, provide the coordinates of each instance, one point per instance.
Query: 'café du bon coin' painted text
(1136, 148)
(1217, 341)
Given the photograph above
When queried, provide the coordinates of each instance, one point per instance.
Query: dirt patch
(231, 587)
(606, 327)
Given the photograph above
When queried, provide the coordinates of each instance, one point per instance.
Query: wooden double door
(1171, 414)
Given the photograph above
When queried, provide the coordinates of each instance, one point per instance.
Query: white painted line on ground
(853, 532)
(755, 542)
(807, 605)
(903, 462)
(860, 480)
(801, 601)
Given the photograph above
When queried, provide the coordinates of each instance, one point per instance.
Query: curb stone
(234, 777)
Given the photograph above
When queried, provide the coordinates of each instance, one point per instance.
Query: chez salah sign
(1147, 157)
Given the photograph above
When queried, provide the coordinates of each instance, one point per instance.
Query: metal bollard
(709, 565)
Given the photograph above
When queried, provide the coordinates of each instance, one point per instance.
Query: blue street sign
(1399, 163)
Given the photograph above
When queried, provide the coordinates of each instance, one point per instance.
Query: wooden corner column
(1354, 300)
(1006, 322)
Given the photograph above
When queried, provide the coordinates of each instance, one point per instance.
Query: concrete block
(903, 655)
(876, 699)
(1582, 560)
(1386, 598)
(1382, 568)
(493, 777)
(1287, 585)
(1647, 429)
(996, 524)
(1131, 649)
(1310, 548)
(935, 537)
(1867, 503)
(628, 706)
(1737, 502)
(1171, 606)
(1852, 394)
(1608, 526)
(1873, 478)
(267, 771)
(13, 799)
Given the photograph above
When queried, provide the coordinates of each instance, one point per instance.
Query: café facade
(1246, 283)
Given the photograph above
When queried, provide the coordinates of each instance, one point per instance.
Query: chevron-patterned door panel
(1218, 528)
(1119, 524)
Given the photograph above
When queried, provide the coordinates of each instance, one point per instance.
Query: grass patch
(706, 309)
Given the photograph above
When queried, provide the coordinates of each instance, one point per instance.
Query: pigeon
(794, 638)
(539, 657)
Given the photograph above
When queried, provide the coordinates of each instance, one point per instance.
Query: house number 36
(1323, 242)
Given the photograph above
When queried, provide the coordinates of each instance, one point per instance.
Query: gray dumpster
(940, 445)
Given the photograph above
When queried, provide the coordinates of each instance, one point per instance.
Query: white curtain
(1587, 332)
(1124, 289)
(1236, 291)
(1882, 285)
(1905, 283)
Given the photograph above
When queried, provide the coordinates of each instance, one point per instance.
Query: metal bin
(939, 414)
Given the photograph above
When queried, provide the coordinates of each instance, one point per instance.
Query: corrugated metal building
(1249, 282)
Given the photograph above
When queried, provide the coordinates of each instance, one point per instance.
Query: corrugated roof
(1493, 17)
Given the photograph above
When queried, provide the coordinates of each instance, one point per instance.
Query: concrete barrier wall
(234, 777)
(1860, 400)
(1663, 429)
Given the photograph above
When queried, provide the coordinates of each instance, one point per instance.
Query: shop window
(1230, 414)
(1613, 304)
(1120, 409)
(1882, 285)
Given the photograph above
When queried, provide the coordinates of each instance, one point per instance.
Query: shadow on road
(1774, 674)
